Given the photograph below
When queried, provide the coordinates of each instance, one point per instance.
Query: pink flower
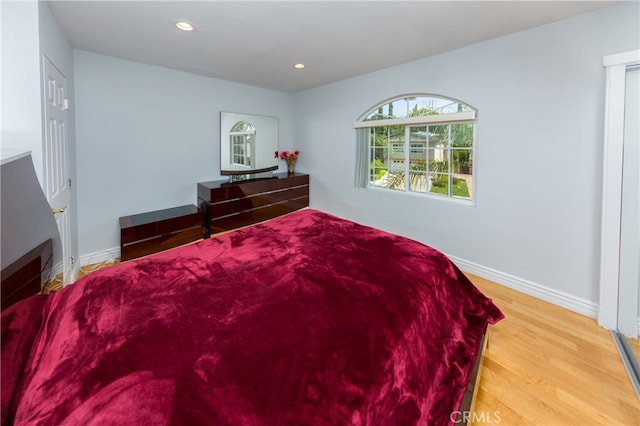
(288, 155)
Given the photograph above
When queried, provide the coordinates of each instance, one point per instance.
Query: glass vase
(291, 167)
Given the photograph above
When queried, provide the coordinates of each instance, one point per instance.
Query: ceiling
(258, 42)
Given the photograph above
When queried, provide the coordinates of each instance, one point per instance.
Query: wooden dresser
(152, 232)
(229, 205)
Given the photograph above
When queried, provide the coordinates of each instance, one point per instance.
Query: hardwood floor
(546, 365)
(56, 283)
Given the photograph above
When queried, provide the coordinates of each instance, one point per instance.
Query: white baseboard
(55, 270)
(74, 273)
(108, 255)
(556, 297)
(58, 269)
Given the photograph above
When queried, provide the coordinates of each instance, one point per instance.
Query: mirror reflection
(242, 138)
(247, 143)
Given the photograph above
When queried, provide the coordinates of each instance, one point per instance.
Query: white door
(58, 183)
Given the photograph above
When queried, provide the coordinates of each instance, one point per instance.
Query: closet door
(628, 297)
(626, 337)
(620, 244)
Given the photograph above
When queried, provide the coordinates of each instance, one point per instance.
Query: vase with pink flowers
(290, 157)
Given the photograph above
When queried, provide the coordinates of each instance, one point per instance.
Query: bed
(307, 319)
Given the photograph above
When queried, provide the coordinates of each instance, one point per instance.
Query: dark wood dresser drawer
(25, 276)
(228, 205)
(151, 232)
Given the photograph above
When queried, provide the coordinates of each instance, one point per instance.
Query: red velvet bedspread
(305, 320)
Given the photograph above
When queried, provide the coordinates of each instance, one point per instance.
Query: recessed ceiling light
(299, 66)
(184, 26)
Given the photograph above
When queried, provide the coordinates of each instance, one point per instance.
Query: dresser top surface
(158, 215)
(226, 182)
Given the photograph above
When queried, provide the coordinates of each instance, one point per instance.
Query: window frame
(468, 115)
(239, 137)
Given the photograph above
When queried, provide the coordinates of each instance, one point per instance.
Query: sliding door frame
(616, 66)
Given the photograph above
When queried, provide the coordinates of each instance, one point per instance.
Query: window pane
(439, 183)
(397, 147)
(379, 136)
(395, 109)
(396, 133)
(418, 149)
(462, 161)
(396, 181)
(417, 156)
(418, 181)
(378, 175)
(441, 105)
(418, 134)
(396, 165)
(462, 134)
(397, 157)
(380, 154)
(462, 185)
(438, 160)
(396, 151)
(417, 106)
(439, 135)
(417, 165)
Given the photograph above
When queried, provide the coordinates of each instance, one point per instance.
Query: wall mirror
(247, 143)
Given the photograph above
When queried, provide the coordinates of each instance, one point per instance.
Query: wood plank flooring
(56, 283)
(546, 365)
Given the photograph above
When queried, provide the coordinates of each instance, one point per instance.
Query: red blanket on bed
(305, 320)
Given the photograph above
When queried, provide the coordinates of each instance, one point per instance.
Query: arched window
(417, 143)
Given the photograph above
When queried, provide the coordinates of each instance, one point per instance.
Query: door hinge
(69, 180)
(65, 104)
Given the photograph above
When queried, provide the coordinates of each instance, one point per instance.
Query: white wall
(28, 31)
(540, 98)
(21, 116)
(146, 135)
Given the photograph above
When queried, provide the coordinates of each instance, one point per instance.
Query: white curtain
(362, 158)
